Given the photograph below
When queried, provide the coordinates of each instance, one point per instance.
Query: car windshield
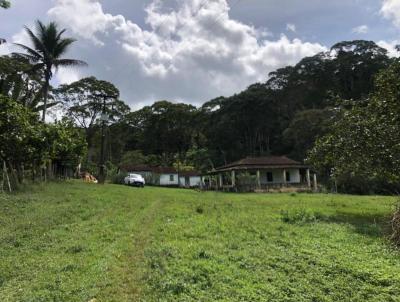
(134, 175)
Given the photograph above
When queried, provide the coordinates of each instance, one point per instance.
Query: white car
(135, 180)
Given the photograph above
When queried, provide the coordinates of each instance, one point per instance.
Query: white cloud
(391, 10)
(192, 53)
(67, 75)
(362, 29)
(20, 37)
(291, 27)
(390, 46)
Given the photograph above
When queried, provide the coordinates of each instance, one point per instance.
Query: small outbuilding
(190, 179)
(262, 173)
(166, 176)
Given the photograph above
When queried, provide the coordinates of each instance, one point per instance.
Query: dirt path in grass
(131, 264)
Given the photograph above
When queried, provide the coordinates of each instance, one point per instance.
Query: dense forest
(283, 116)
(337, 110)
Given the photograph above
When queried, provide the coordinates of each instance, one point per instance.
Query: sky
(195, 50)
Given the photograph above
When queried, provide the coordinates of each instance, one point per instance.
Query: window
(287, 176)
(171, 177)
(270, 177)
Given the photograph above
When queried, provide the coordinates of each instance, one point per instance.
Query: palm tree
(48, 48)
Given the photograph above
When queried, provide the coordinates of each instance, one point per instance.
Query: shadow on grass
(370, 224)
(374, 225)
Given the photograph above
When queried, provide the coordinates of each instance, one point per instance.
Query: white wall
(277, 175)
(143, 173)
(165, 180)
(194, 181)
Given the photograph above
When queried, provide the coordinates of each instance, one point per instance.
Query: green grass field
(78, 242)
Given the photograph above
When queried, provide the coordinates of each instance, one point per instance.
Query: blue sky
(195, 50)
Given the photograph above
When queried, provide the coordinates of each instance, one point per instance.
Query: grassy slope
(74, 242)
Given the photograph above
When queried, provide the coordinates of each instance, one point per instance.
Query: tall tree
(86, 99)
(47, 53)
(364, 142)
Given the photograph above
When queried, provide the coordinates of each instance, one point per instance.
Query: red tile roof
(189, 173)
(262, 162)
(157, 170)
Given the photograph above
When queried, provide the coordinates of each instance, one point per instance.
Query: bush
(299, 216)
(118, 178)
(396, 226)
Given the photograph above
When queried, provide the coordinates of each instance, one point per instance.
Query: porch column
(258, 180)
(284, 177)
(233, 177)
(308, 178)
(315, 182)
(220, 180)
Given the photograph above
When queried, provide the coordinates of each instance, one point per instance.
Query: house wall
(277, 175)
(194, 181)
(165, 180)
(143, 173)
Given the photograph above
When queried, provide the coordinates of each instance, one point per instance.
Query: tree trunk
(6, 177)
(20, 173)
(14, 179)
(45, 95)
(33, 171)
(49, 168)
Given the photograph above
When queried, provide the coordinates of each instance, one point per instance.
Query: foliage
(78, 242)
(19, 131)
(4, 4)
(166, 129)
(86, 100)
(395, 237)
(118, 178)
(20, 135)
(305, 128)
(20, 83)
(25, 141)
(47, 52)
(264, 118)
(64, 143)
(300, 216)
(365, 140)
(133, 158)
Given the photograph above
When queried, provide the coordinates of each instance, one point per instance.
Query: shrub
(199, 209)
(395, 237)
(299, 216)
(118, 178)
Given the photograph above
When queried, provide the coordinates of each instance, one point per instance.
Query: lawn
(81, 242)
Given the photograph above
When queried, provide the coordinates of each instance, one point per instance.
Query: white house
(190, 179)
(262, 173)
(165, 176)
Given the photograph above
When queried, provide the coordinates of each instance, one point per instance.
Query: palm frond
(38, 66)
(62, 47)
(69, 63)
(37, 43)
(31, 51)
(60, 34)
(24, 56)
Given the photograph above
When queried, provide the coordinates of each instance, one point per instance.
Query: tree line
(338, 110)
